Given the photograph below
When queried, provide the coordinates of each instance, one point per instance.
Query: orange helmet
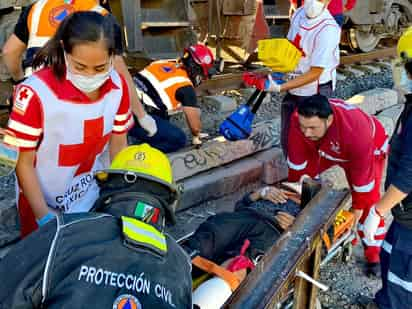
(203, 56)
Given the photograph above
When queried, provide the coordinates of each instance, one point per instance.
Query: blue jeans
(168, 137)
(340, 19)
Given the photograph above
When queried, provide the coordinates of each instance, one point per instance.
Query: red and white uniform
(69, 133)
(358, 143)
(318, 39)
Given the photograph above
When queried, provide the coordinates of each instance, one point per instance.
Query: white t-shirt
(318, 39)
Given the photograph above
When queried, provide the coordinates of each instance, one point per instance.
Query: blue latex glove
(43, 220)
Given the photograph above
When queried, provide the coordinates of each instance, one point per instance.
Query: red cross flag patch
(22, 99)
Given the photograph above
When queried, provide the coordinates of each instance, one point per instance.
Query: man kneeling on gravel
(256, 223)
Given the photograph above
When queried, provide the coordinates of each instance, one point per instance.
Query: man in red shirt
(325, 133)
(335, 7)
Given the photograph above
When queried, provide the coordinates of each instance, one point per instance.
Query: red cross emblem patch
(22, 99)
(296, 42)
(84, 155)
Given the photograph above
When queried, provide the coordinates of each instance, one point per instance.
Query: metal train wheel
(362, 40)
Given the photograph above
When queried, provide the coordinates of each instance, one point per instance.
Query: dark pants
(339, 18)
(290, 102)
(221, 236)
(168, 137)
(396, 269)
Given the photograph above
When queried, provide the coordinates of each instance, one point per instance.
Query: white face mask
(87, 83)
(313, 8)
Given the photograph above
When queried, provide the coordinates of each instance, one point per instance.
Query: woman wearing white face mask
(313, 8)
(316, 34)
(65, 116)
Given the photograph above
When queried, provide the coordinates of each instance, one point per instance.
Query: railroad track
(233, 80)
(383, 53)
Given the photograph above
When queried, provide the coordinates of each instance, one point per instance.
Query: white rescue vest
(308, 34)
(70, 152)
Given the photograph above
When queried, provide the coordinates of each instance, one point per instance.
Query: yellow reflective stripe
(144, 233)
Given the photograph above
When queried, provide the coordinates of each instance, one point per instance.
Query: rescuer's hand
(148, 124)
(284, 219)
(273, 194)
(371, 224)
(197, 140)
(272, 86)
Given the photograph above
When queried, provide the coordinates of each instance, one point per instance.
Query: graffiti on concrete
(266, 138)
(217, 153)
(201, 157)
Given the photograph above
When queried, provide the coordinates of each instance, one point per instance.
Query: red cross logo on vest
(296, 42)
(23, 94)
(85, 154)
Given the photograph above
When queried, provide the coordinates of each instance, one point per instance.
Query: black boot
(373, 269)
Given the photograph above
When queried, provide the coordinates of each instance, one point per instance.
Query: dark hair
(408, 67)
(192, 68)
(77, 28)
(316, 105)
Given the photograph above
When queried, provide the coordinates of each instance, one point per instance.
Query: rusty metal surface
(233, 80)
(265, 282)
(373, 55)
(224, 82)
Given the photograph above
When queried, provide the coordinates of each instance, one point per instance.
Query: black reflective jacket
(91, 261)
(399, 172)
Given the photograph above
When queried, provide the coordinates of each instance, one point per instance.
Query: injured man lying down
(235, 241)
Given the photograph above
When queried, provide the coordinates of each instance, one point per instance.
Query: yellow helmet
(143, 161)
(405, 45)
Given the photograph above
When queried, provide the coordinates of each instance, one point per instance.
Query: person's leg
(287, 107)
(339, 19)
(381, 297)
(168, 137)
(326, 90)
(225, 233)
(399, 273)
(372, 249)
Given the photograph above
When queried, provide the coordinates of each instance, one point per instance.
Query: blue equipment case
(239, 124)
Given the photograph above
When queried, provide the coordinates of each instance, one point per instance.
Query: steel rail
(233, 80)
(368, 57)
(223, 82)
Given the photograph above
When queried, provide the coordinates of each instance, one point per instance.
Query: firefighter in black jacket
(396, 253)
(118, 257)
